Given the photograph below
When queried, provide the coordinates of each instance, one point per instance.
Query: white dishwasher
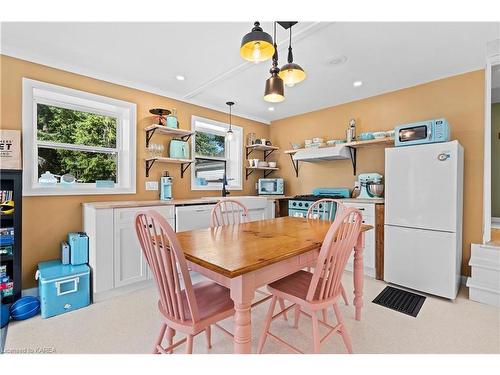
(192, 217)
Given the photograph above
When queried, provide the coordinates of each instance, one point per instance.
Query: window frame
(37, 92)
(238, 135)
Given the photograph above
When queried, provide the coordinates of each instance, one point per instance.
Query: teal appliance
(79, 248)
(62, 287)
(299, 205)
(365, 182)
(166, 187)
(179, 149)
(430, 131)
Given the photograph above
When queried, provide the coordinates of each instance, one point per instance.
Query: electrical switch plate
(151, 185)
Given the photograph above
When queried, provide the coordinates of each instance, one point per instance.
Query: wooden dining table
(246, 257)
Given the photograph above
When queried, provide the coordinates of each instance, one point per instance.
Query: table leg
(242, 293)
(358, 275)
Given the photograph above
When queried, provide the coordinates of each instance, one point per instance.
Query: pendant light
(230, 133)
(257, 45)
(275, 91)
(291, 73)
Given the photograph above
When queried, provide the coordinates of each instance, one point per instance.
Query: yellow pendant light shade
(257, 45)
(291, 74)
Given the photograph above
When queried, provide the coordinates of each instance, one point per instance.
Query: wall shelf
(268, 150)
(185, 163)
(162, 129)
(352, 147)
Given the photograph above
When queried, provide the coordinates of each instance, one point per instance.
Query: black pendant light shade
(257, 45)
(291, 73)
(275, 90)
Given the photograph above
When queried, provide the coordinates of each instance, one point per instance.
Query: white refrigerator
(423, 217)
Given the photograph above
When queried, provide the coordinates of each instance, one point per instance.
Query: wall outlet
(152, 185)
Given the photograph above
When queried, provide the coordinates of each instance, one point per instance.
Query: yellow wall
(495, 160)
(46, 220)
(460, 99)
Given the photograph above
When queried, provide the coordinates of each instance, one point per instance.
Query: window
(214, 154)
(73, 133)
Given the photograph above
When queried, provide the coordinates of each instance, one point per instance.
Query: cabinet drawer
(128, 214)
(367, 209)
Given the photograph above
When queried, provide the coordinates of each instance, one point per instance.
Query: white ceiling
(148, 56)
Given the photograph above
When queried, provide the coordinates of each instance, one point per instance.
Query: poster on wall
(10, 149)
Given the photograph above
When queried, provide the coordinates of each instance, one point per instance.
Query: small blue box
(62, 288)
(65, 253)
(79, 248)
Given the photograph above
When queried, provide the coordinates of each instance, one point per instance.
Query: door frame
(491, 61)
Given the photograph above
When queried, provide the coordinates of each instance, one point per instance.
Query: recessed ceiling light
(357, 83)
(336, 60)
(180, 78)
(270, 109)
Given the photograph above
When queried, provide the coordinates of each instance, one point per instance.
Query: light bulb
(256, 52)
(288, 78)
(229, 135)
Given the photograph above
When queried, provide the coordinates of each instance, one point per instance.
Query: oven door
(268, 186)
(415, 134)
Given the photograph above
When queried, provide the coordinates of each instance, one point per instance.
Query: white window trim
(238, 132)
(40, 92)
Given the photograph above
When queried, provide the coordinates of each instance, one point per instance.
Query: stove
(299, 205)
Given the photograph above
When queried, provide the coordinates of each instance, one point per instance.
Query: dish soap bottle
(165, 187)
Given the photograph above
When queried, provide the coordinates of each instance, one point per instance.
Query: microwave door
(413, 134)
(267, 187)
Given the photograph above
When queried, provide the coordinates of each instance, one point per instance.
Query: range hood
(312, 155)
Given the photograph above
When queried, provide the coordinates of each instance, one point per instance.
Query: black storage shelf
(12, 180)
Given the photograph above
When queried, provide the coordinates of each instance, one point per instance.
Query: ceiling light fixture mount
(180, 77)
(357, 83)
(230, 133)
(257, 45)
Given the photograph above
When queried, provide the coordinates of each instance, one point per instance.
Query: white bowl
(272, 164)
(317, 140)
(308, 141)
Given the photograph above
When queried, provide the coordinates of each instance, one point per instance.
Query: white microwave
(271, 186)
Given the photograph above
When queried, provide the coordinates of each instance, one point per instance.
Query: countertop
(363, 200)
(172, 202)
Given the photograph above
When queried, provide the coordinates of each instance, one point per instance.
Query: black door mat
(400, 300)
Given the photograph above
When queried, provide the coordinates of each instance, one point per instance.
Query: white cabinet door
(130, 266)
(270, 210)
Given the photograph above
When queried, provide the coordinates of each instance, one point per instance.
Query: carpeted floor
(129, 324)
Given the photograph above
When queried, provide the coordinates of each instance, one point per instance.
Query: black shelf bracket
(249, 151)
(267, 153)
(248, 173)
(267, 172)
(149, 164)
(295, 164)
(149, 134)
(352, 153)
(184, 167)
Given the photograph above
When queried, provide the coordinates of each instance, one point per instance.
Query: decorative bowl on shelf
(263, 164)
(366, 137)
(379, 135)
(272, 164)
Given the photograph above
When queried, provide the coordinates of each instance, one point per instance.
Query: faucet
(224, 183)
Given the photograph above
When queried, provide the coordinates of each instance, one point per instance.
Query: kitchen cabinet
(115, 256)
(373, 215)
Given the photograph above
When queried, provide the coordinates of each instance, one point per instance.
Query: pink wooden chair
(228, 211)
(185, 307)
(319, 290)
(232, 211)
(324, 209)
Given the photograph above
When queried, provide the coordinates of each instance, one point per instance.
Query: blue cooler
(79, 248)
(62, 287)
